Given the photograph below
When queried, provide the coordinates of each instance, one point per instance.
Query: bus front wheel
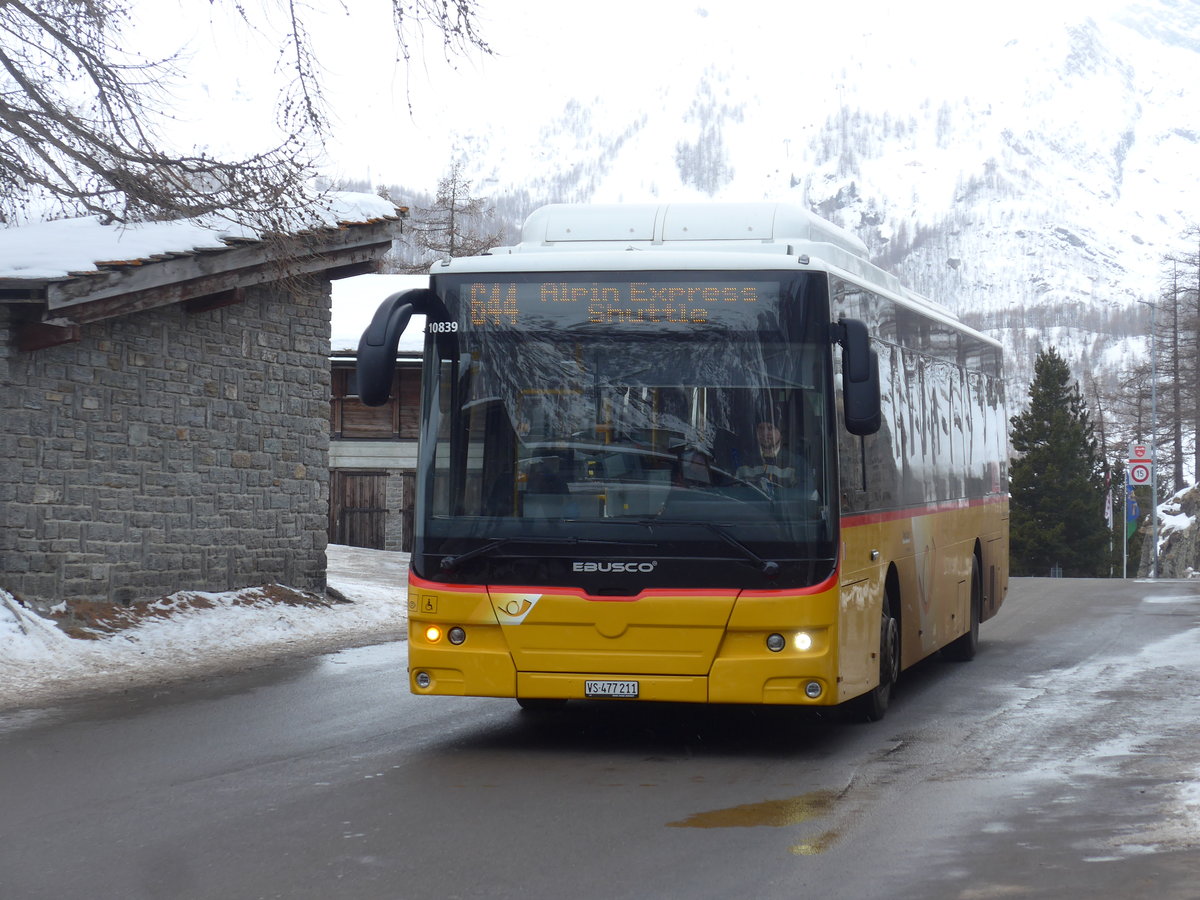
(874, 704)
(540, 704)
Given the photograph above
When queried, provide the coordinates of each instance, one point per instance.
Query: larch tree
(456, 224)
(1057, 479)
(1177, 344)
(81, 114)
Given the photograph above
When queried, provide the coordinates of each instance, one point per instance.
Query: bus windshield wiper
(768, 567)
(450, 563)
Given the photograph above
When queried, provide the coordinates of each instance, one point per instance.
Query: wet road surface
(1062, 762)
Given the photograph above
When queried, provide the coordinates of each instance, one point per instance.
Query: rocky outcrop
(1178, 537)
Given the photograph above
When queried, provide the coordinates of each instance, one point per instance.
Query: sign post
(1132, 514)
(1139, 470)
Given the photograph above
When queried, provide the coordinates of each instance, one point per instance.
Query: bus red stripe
(912, 512)
(421, 584)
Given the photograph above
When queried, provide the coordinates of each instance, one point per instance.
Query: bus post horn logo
(511, 609)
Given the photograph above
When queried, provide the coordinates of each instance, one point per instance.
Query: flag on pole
(1133, 512)
(1108, 498)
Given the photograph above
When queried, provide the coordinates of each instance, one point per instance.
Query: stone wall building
(166, 415)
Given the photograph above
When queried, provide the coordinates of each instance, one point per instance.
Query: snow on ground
(1138, 712)
(190, 634)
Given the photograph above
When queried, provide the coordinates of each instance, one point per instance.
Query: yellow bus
(704, 453)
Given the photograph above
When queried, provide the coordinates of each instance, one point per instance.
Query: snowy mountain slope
(1029, 171)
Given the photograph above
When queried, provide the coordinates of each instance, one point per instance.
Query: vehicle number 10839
(440, 327)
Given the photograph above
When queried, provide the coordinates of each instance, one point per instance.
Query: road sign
(1140, 464)
(1140, 471)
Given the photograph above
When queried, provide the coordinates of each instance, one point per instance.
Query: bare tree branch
(79, 115)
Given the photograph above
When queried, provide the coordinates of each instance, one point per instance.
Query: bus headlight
(812, 690)
(802, 641)
(456, 635)
(775, 643)
(433, 634)
(423, 679)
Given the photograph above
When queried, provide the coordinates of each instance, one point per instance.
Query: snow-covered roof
(82, 270)
(67, 247)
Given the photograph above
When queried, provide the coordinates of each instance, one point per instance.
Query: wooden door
(358, 508)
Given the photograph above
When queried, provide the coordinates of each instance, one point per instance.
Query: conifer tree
(1057, 479)
(457, 224)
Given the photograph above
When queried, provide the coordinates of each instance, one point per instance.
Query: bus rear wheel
(964, 647)
(873, 705)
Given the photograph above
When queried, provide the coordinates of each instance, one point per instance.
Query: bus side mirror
(377, 347)
(860, 378)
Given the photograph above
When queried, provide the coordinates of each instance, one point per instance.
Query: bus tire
(873, 705)
(540, 704)
(964, 648)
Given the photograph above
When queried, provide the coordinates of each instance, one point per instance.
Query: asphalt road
(1062, 762)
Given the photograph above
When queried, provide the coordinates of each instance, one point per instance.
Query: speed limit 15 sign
(1140, 471)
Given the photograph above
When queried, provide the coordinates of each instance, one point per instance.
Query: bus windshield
(631, 432)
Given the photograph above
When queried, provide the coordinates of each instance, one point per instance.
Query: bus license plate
(610, 688)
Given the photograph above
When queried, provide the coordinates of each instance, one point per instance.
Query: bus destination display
(561, 304)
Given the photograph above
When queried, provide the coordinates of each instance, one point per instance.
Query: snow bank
(190, 632)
